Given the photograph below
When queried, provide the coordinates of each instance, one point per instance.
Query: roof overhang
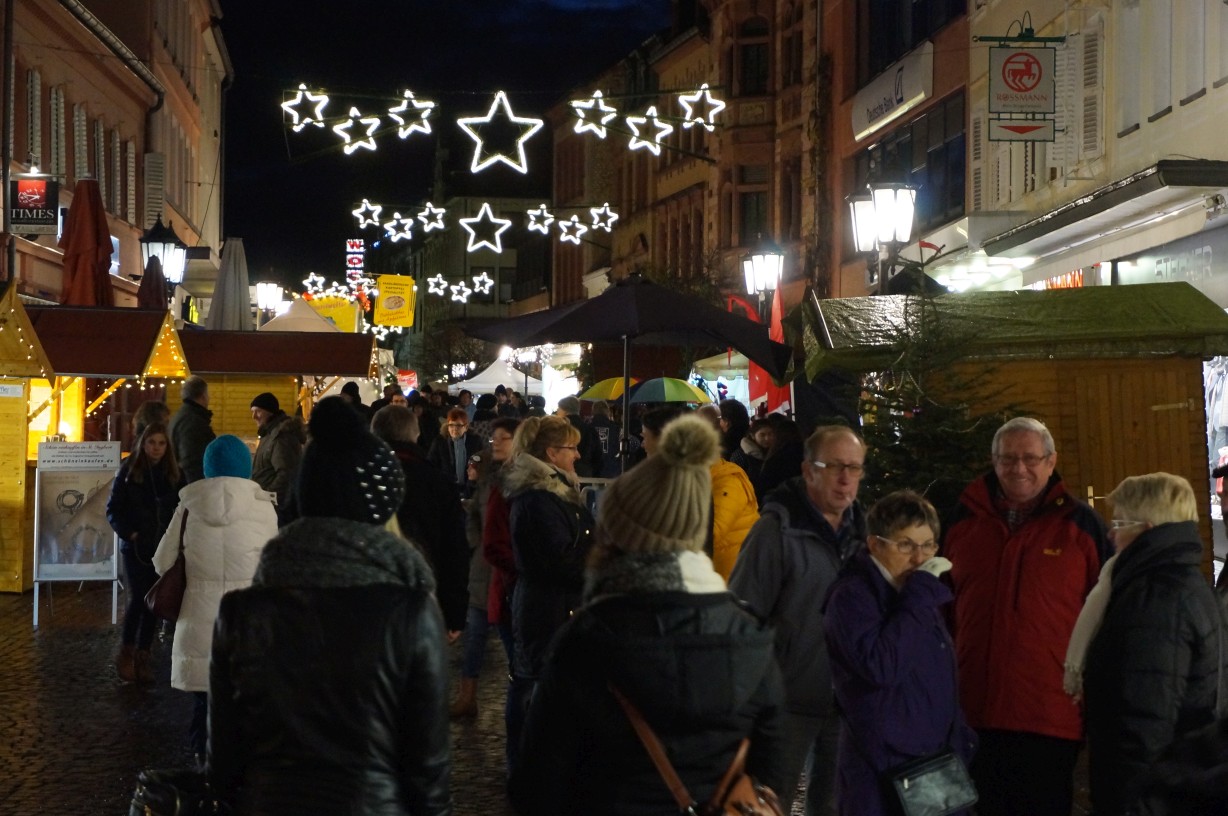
(104, 342)
(299, 353)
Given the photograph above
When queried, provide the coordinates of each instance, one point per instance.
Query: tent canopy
(497, 374)
(300, 317)
(1140, 320)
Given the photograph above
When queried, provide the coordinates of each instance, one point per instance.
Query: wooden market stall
(1115, 372)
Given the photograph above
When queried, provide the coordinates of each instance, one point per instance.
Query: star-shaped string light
(501, 109)
(432, 218)
(637, 140)
(422, 109)
(482, 283)
(603, 217)
(710, 103)
(298, 121)
(400, 227)
(437, 285)
(343, 130)
(570, 229)
(485, 216)
(593, 114)
(540, 219)
(314, 283)
(367, 214)
(460, 292)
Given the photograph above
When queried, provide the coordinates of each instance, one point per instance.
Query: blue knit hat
(228, 456)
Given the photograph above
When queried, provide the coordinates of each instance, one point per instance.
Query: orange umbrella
(87, 249)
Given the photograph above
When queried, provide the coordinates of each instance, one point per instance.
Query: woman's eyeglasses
(907, 547)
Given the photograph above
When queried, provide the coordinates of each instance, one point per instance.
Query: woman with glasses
(551, 532)
(451, 451)
(893, 663)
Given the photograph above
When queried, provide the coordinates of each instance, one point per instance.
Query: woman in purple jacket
(893, 664)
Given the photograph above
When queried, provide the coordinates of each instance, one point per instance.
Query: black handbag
(174, 792)
(935, 785)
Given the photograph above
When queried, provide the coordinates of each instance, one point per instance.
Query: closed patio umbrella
(152, 292)
(87, 249)
(231, 308)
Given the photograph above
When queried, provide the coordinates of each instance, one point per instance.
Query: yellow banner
(395, 304)
(341, 312)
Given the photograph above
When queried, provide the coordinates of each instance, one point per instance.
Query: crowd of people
(730, 587)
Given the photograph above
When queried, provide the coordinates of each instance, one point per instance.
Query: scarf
(619, 573)
(322, 552)
(1085, 629)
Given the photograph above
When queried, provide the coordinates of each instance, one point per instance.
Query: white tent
(497, 374)
(300, 317)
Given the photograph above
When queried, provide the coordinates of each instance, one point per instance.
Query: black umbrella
(636, 310)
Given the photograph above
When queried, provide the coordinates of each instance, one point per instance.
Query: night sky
(289, 195)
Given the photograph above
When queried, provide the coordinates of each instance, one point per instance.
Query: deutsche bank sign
(1021, 80)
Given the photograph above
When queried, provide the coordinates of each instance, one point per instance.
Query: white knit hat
(664, 503)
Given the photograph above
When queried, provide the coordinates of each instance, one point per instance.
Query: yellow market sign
(394, 306)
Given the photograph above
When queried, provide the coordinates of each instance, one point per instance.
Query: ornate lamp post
(269, 297)
(882, 225)
(160, 241)
(762, 270)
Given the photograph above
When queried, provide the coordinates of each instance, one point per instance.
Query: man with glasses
(808, 528)
(1026, 553)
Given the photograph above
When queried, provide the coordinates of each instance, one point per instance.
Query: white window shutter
(34, 116)
(80, 143)
(116, 202)
(59, 133)
(100, 158)
(977, 135)
(129, 213)
(1061, 153)
(1091, 130)
(155, 187)
(1002, 161)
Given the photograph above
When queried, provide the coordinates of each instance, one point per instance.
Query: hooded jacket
(1017, 597)
(697, 665)
(789, 561)
(191, 431)
(734, 511)
(229, 522)
(142, 509)
(275, 464)
(1151, 670)
(328, 685)
(551, 536)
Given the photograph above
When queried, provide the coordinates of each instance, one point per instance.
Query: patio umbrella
(231, 308)
(608, 389)
(87, 249)
(668, 389)
(152, 292)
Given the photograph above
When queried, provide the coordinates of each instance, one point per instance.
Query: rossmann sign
(1021, 80)
(34, 203)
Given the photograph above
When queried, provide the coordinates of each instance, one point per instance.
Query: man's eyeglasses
(1118, 524)
(907, 547)
(840, 467)
(1029, 460)
(456, 424)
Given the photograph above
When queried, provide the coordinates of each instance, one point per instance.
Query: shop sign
(394, 306)
(1021, 130)
(72, 539)
(1192, 259)
(899, 89)
(340, 311)
(1021, 80)
(35, 204)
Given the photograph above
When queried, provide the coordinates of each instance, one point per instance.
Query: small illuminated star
(485, 216)
(540, 219)
(432, 218)
(314, 283)
(663, 129)
(499, 108)
(437, 285)
(603, 217)
(570, 229)
(461, 292)
(343, 130)
(367, 214)
(602, 114)
(299, 121)
(421, 107)
(482, 283)
(399, 227)
(689, 101)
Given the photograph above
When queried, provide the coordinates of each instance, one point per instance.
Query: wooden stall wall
(16, 531)
(230, 400)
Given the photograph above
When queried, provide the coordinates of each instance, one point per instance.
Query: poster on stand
(72, 539)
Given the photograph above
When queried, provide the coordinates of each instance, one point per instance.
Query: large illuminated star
(432, 218)
(460, 292)
(343, 130)
(421, 107)
(540, 219)
(314, 283)
(570, 229)
(482, 283)
(399, 227)
(601, 114)
(299, 121)
(603, 217)
(367, 214)
(711, 103)
(663, 129)
(500, 109)
(437, 285)
(485, 216)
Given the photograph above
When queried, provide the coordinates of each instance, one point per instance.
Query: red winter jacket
(1017, 596)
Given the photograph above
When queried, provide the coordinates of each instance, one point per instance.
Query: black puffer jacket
(1151, 669)
(328, 679)
(142, 509)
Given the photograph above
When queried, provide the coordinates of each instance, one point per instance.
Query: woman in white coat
(229, 520)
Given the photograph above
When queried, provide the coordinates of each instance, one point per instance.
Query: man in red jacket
(1025, 553)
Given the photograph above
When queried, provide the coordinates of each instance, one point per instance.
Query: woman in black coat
(1153, 664)
(143, 499)
(451, 450)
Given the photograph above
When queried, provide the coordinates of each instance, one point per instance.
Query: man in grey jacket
(191, 428)
(807, 529)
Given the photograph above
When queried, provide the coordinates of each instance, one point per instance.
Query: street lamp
(882, 225)
(269, 296)
(161, 242)
(762, 269)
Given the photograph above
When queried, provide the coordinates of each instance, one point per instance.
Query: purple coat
(893, 668)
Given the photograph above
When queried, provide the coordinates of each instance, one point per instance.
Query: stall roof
(93, 341)
(339, 354)
(1143, 320)
(21, 353)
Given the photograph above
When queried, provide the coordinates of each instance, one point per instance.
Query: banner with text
(72, 539)
(395, 304)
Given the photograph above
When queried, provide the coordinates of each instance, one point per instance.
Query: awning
(92, 341)
(337, 354)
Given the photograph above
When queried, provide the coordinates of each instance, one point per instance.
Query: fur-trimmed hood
(527, 472)
(752, 448)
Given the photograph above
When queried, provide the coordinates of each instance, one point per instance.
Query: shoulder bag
(165, 597)
(738, 794)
